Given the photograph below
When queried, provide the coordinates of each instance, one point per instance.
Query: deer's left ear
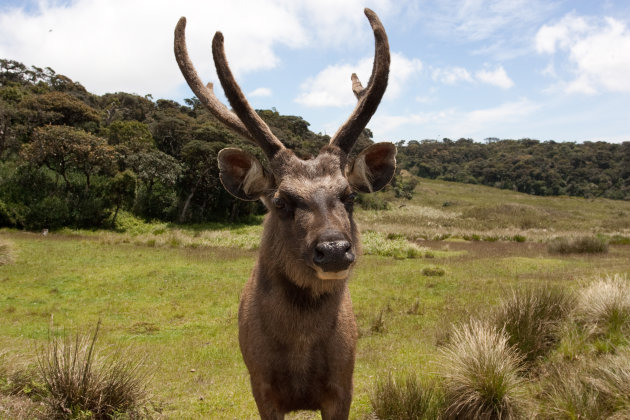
(243, 175)
(373, 168)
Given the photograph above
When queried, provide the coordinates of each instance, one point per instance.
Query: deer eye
(278, 202)
(349, 199)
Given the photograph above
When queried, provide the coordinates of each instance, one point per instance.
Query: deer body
(297, 331)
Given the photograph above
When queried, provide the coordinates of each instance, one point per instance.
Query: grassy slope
(177, 303)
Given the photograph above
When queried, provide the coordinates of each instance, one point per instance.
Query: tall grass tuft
(578, 245)
(533, 317)
(83, 383)
(604, 305)
(566, 395)
(407, 400)
(595, 389)
(481, 373)
(6, 252)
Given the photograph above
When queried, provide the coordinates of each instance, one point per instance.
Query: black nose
(333, 256)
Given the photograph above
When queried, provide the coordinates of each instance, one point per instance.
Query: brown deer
(297, 331)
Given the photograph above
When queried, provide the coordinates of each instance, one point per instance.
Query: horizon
(460, 69)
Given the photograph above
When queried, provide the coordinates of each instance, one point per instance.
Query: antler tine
(369, 97)
(259, 130)
(205, 93)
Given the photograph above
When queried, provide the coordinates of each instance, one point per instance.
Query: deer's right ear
(242, 174)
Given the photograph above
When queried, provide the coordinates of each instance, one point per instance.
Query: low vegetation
(482, 374)
(81, 382)
(579, 245)
(171, 293)
(6, 252)
(533, 318)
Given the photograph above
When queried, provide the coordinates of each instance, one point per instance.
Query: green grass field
(171, 294)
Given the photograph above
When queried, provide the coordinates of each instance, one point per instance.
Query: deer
(296, 327)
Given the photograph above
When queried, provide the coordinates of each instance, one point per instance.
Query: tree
(63, 149)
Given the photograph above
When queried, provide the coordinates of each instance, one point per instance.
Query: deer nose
(333, 256)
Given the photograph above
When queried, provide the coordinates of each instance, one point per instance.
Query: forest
(72, 158)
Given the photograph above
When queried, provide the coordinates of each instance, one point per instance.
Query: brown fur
(297, 331)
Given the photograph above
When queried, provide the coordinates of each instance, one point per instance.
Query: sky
(543, 69)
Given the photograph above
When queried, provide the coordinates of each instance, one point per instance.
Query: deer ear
(373, 168)
(242, 174)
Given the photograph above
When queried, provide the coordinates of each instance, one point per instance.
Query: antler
(369, 97)
(246, 122)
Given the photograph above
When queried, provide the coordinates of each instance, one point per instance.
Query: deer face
(311, 201)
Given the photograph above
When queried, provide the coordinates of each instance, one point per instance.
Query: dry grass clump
(482, 374)
(6, 252)
(409, 399)
(578, 245)
(604, 305)
(533, 317)
(85, 384)
(595, 389)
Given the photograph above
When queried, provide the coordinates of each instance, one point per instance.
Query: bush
(406, 400)
(579, 245)
(374, 201)
(433, 271)
(82, 383)
(481, 373)
(532, 318)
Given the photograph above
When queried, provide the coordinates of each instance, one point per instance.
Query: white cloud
(454, 75)
(455, 123)
(332, 86)
(451, 75)
(497, 77)
(260, 92)
(126, 45)
(598, 50)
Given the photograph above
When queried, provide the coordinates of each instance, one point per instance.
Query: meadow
(168, 295)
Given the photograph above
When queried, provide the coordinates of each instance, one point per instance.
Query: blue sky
(550, 70)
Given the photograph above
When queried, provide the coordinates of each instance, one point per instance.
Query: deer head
(309, 230)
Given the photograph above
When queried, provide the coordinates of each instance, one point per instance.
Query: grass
(533, 318)
(482, 374)
(172, 292)
(406, 399)
(6, 252)
(604, 305)
(81, 382)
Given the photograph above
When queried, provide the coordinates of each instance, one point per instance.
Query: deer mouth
(332, 275)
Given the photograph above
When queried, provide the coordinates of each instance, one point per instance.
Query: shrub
(372, 202)
(433, 271)
(406, 400)
(604, 306)
(579, 245)
(481, 373)
(532, 318)
(83, 383)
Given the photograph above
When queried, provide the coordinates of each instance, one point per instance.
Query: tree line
(588, 169)
(72, 158)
